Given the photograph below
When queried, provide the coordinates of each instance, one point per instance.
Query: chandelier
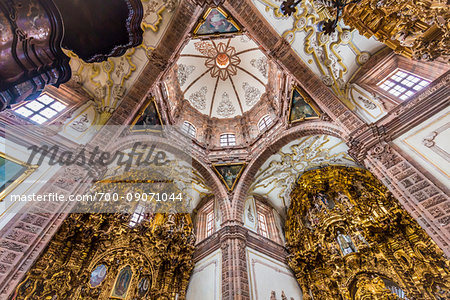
(288, 7)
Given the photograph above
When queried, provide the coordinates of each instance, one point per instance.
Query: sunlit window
(41, 109)
(137, 216)
(262, 225)
(209, 223)
(264, 123)
(227, 139)
(403, 85)
(189, 129)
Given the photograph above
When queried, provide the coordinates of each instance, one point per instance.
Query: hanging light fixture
(288, 7)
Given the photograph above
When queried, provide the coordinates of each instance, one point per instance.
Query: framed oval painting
(97, 275)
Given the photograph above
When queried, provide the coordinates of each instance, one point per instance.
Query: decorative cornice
(204, 3)
(250, 238)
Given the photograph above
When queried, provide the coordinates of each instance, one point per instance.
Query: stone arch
(302, 130)
(174, 147)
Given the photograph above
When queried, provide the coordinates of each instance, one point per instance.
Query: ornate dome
(224, 77)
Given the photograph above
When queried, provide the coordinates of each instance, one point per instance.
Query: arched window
(227, 139)
(189, 129)
(264, 123)
(205, 221)
(262, 225)
(40, 110)
(402, 84)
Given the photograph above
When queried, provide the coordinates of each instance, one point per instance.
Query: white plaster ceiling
(333, 58)
(222, 78)
(277, 176)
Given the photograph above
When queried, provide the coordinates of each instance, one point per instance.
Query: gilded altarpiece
(415, 29)
(100, 256)
(348, 238)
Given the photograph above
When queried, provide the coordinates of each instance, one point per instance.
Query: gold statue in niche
(348, 238)
(415, 29)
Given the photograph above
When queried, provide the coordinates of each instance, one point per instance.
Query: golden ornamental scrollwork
(114, 255)
(349, 238)
(158, 253)
(415, 29)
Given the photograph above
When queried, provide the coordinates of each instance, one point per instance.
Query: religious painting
(216, 22)
(229, 173)
(301, 107)
(143, 286)
(97, 275)
(12, 173)
(122, 283)
(148, 119)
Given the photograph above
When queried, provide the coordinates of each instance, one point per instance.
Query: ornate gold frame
(243, 164)
(141, 113)
(307, 99)
(28, 171)
(203, 20)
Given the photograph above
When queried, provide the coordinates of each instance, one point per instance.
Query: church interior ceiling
(333, 58)
(223, 77)
(107, 82)
(276, 178)
(343, 234)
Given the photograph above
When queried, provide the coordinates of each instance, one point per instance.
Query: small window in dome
(227, 139)
(264, 123)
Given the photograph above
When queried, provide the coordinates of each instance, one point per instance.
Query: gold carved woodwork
(160, 248)
(349, 238)
(415, 29)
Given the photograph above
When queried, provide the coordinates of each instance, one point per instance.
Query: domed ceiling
(222, 77)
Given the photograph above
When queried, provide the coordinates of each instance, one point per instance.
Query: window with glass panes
(209, 223)
(227, 139)
(262, 225)
(138, 215)
(189, 129)
(41, 109)
(264, 123)
(403, 85)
